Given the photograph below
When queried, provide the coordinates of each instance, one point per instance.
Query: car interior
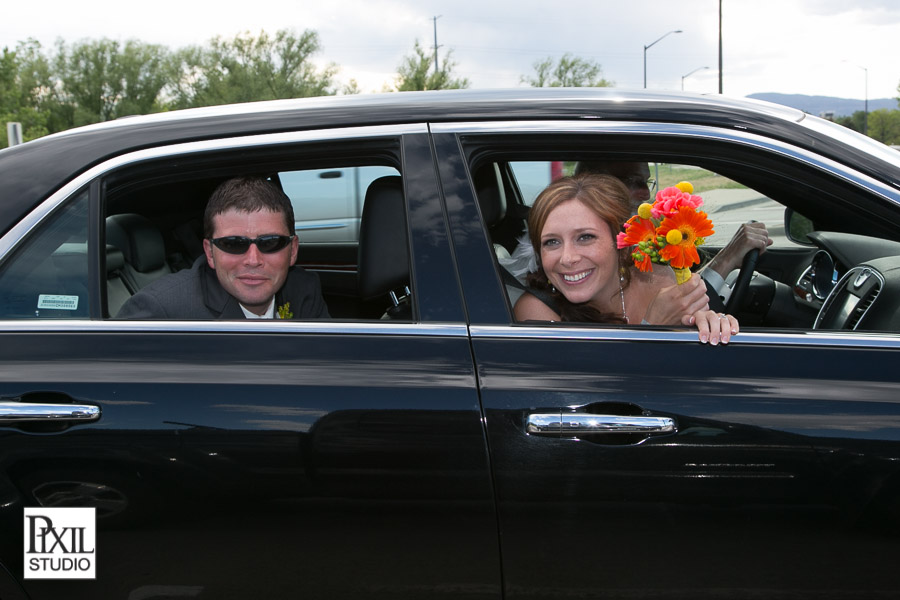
(157, 229)
(836, 268)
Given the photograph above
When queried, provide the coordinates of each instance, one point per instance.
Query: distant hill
(816, 105)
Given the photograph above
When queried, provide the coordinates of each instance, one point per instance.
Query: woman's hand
(678, 304)
(714, 327)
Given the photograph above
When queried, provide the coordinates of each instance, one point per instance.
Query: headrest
(383, 239)
(138, 239)
(490, 198)
(115, 259)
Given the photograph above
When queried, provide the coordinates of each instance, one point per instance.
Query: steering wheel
(739, 293)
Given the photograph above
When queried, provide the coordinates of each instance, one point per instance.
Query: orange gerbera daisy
(694, 226)
(637, 230)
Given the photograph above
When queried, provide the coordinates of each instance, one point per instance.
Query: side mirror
(797, 227)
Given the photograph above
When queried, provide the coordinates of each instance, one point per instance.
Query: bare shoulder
(530, 308)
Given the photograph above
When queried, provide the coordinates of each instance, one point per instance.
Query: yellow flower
(674, 236)
(644, 210)
(284, 311)
(685, 186)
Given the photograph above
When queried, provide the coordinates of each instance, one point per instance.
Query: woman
(572, 227)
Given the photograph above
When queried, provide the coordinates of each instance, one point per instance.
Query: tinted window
(328, 202)
(47, 277)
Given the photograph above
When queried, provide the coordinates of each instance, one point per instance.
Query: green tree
(102, 80)
(884, 125)
(27, 92)
(569, 71)
(247, 68)
(416, 73)
(856, 121)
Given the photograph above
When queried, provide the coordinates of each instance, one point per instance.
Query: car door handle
(570, 424)
(12, 411)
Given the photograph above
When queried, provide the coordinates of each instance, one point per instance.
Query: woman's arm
(530, 308)
(688, 304)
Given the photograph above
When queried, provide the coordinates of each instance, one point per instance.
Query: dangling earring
(552, 288)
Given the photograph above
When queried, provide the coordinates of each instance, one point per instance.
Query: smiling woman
(572, 226)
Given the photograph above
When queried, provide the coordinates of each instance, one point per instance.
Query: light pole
(647, 47)
(866, 114)
(689, 74)
(866, 106)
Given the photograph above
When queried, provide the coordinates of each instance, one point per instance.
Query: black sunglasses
(238, 244)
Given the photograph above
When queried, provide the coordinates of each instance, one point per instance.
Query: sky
(843, 48)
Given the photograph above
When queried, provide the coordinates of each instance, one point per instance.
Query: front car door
(335, 458)
(770, 467)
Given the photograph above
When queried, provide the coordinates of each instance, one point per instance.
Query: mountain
(816, 105)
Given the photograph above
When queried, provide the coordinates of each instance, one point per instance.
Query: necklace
(622, 296)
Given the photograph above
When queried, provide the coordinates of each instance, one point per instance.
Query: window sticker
(58, 302)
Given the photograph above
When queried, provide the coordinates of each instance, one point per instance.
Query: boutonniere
(284, 311)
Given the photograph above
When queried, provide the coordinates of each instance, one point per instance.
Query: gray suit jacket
(195, 294)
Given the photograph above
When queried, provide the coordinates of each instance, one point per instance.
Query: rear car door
(768, 467)
(335, 458)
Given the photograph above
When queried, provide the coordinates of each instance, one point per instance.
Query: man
(246, 270)
(636, 177)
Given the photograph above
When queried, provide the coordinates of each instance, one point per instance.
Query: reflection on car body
(421, 442)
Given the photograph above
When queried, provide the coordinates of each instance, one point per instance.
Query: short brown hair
(247, 194)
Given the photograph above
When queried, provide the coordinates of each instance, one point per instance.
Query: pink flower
(669, 200)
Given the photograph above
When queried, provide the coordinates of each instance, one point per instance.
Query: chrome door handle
(570, 424)
(37, 412)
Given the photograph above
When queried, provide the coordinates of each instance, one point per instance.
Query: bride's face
(578, 253)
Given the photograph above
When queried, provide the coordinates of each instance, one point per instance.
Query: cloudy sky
(844, 48)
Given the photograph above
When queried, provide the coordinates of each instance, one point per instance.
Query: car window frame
(96, 176)
(484, 142)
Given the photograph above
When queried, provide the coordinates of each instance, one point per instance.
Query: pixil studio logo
(59, 543)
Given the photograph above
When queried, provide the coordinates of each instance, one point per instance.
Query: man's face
(251, 277)
(635, 176)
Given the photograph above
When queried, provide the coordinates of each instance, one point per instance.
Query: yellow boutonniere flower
(284, 311)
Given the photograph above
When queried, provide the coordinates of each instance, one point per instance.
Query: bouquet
(668, 231)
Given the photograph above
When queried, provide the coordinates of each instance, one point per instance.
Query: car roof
(34, 170)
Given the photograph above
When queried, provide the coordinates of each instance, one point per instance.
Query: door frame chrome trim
(251, 326)
(21, 229)
(721, 134)
(644, 334)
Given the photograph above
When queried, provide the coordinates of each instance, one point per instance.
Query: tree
(247, 68)
(103, 81)
(856, 121)
(27, 92)
(884, 125)
(416, 73)
(569, 71)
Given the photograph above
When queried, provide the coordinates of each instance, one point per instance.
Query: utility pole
(436, 44)
(720, 46)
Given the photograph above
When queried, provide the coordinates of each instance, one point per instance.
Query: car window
(831, 269)
(733, 203)
(328, 203)
(727, 202)
(152, 223)
(47, 276)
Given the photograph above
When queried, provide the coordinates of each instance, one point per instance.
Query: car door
(243, 459)
(635, 462)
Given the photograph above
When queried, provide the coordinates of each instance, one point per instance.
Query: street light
(689, 74)
(866, 113)
(647, 47)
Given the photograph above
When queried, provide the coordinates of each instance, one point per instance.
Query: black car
(421, 442)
